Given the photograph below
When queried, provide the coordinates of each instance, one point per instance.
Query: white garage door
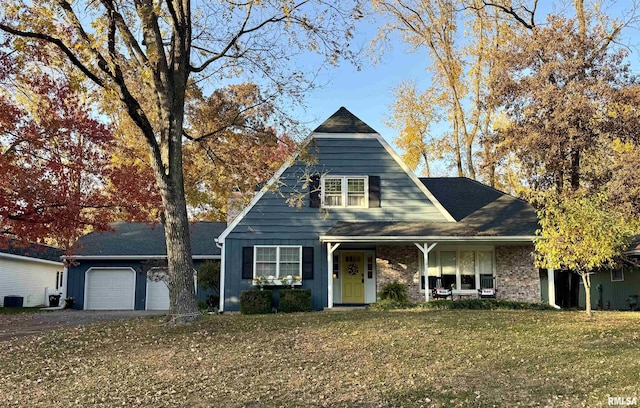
(157, 295)
(110, 289)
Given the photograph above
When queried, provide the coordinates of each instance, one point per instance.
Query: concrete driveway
(24, 324)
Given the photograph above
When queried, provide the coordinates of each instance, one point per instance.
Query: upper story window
(345, 191)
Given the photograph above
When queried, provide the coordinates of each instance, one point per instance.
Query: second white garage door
(110, 289)
(157, 295)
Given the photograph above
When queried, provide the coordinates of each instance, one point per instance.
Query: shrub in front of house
(395, 291)
(295, 300)
(255, 302)
(389, 304)
(468, 304)
(483, 304)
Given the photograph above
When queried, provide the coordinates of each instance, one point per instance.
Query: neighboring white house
(32, 272)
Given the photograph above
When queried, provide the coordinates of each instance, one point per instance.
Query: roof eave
(337, 238)
(29, 259)
(131, 257)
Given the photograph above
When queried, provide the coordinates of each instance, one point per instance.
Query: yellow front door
(352, 277)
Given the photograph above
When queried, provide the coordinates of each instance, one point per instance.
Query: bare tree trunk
(181, 281)
(586, 280)
(456, 141)
(427, 168)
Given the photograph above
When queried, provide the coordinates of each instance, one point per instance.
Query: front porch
(357, 271)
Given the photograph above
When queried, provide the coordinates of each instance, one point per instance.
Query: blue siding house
(122, 269)
(345, 215)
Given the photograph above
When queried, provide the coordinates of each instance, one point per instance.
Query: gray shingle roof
(461, 196)
(344, 121)
(480, 211)
(38, 251)
(130, 239)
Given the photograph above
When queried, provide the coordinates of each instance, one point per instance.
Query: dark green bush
(483, 304)
(255, 302)
(394, 291)
(213, 301)
(468, 304)
(388, 304)
(295, 300)
(209, 276)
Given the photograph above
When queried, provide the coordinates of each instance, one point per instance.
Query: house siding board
(234, 286)
(28, 279)
(614, 294)
(77, 273)
(401, 198)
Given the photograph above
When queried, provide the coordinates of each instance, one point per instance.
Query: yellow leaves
(581, 231)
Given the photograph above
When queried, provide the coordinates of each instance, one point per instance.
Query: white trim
(288, 163)
(551, 287)
(330, 250)
(277, 247)
(30, 259)
(134, 257)
(86, 283)
(456, 239)
(344, 190)
(425, 249)
(617, 280)
(416, 180)
(291, 160)
(320, 135)
(222, 276)
(398, 160)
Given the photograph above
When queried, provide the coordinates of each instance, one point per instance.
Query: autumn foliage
(54, 161)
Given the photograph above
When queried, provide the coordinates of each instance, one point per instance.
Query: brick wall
(516, 277)
(399, 263)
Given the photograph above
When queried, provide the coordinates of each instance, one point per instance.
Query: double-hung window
(345, 191)
(275, 262)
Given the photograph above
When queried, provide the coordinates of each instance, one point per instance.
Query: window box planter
(290, 281)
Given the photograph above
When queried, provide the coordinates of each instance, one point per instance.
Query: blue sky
(368, 93)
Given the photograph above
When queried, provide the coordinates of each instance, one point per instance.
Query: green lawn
(398, 358)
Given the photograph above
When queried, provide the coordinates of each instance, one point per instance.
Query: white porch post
(425, 249)
(551, 285)
(330, 250)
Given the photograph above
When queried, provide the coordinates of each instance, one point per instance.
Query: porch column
(330, 249)
(551, 285)
(425, 249)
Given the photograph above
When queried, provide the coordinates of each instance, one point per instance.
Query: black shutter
(314, 191)
(247, 263)
(374, 191)
(307, 263)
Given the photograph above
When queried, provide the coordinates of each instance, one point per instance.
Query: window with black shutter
(307, 263)
(247, 263)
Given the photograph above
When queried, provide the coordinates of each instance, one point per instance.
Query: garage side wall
(77, 273)
(27, 279)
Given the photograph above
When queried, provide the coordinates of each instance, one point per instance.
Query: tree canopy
(142, 55)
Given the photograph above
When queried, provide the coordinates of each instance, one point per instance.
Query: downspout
(222, 274)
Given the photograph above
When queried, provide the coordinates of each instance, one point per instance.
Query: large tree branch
(61, 46)
(127, 36)
(242, 31)
(77, 25)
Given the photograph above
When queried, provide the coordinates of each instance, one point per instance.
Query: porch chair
(487, 288)
(439, 291)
